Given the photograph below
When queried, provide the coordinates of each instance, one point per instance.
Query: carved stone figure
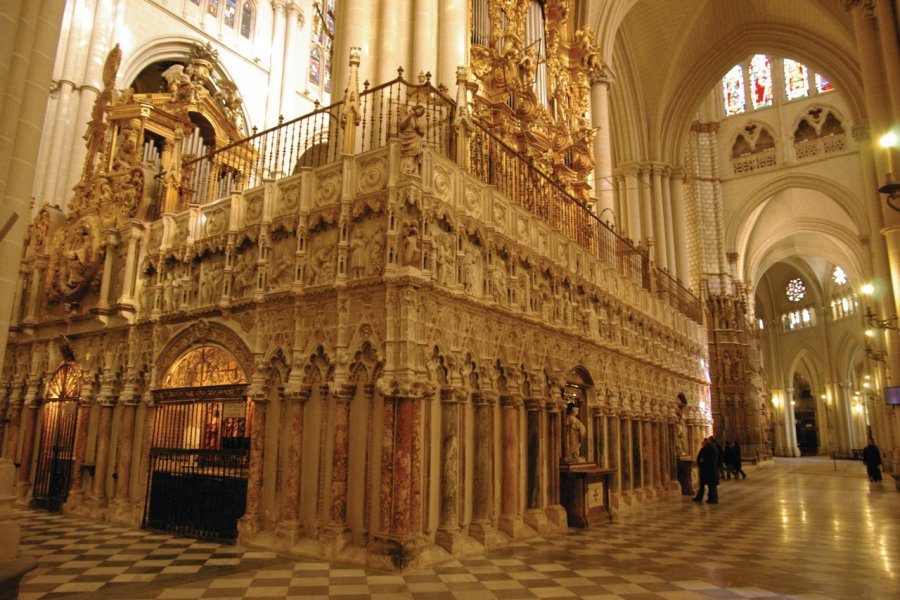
(412, 134)
(574, 435)
(411, 249)
(39, 229)
(358, 257)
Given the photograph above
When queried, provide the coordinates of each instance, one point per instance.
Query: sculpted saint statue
(574, 435)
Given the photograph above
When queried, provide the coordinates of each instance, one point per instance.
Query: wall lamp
(890, 188)
(873, 321)
(876, 355)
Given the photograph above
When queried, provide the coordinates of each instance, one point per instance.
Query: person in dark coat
(736, 461)
(728, 458)
(872, 458)
(708, 460)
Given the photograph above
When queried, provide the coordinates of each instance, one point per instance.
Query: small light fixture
(867, 289)
(891, 188)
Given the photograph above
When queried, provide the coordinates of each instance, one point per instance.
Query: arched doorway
(55, 458)
(200, 447)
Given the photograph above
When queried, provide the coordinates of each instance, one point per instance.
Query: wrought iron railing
(318, 138)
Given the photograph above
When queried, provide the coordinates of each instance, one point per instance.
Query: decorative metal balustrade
(320, 138)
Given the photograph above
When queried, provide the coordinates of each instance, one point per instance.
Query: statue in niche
(681, 444)
(319, 261)
(469, 275)
(574, 435)
(243, 275)
(442, 258)
(498, 285)
(358, 257)
(412, 135)
(39, 229)
(410, 255)
(375, 260)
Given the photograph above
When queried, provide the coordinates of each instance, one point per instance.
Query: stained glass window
(230, 11)
(315, 62)
(795, 290)
(327, 74)
(246, 19)
(760, 81)
(212, 7)
(796, 79)
(838, 276)
(822, 84)
(733, 88)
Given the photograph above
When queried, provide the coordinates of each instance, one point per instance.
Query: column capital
(508, 401)
(601, 76)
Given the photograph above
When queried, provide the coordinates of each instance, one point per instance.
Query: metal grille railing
(55, 459)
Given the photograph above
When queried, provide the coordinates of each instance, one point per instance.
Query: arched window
(733, 86)
(796, 80)
(319, 72)
(228, 15)
(760, 81)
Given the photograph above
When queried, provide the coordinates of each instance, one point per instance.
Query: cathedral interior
(390, 283)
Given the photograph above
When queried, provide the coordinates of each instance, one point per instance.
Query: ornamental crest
(76, 256)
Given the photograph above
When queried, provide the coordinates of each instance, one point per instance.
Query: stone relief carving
(243, 280)
(212, 275)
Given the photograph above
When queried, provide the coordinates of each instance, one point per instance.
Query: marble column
(11, 438)
(79, 450)
(122, 512)
(510, 506)
(249, 524)
(288, 529)
(135, 234)
(554, 453)
(401, 467)
(614, 427)
(101, 454)
(29, 425)
(645, 193)
(534, 516)
(290, 72)
(424, 51)
(337, 517)
(483, 475)
(627, 455)
(449, 533)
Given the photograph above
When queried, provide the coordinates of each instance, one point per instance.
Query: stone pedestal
(584, 492)
(688, 475)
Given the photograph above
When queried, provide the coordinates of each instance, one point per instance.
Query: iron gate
(199, 459)
(55, 460)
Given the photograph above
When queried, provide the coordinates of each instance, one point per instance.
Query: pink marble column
(254, 476)
(290, 500)
(101, 455)
(340, 458)
(401, 471)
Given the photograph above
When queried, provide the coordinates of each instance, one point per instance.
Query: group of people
(717, 463)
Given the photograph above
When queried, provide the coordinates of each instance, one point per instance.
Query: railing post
(462, 122)
(350, 113)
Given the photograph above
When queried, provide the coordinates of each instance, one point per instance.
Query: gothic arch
(201, 333)
(804, 355)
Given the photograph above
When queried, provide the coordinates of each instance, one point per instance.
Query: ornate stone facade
(404, 333)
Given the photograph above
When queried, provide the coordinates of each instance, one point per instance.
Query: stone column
(101, 454)
(510, 506)
(29, 424)
(645, 193)
(276, 63)
(122, 507)
(659, 217)
(483, 477)
(614, 427)
(449, 533)
(79, 450)
(534, 516)
(633, 228)
(288, 529)
(134, 237)
(424, 51)
(337, 515)
(679, 226)
(401, 480)
(453, 36)
(603, 172)
(625, 441)
(11, 438)
(555, 512)
(249, 524)
(290, 71)
(669, 225)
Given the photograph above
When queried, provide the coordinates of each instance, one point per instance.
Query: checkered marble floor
(794, 529)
